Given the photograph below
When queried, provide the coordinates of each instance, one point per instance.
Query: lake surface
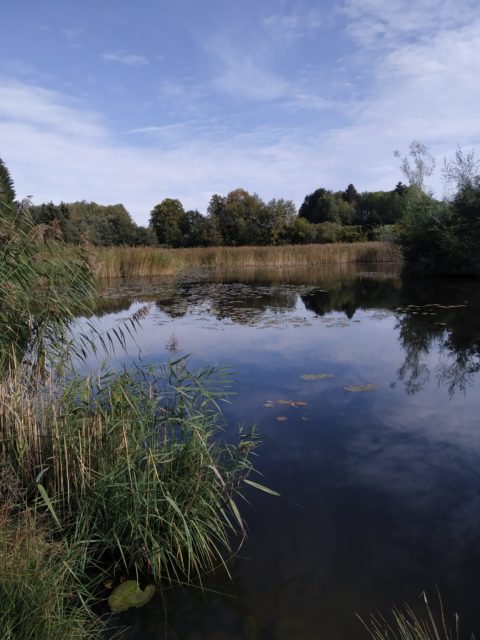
(380, 489)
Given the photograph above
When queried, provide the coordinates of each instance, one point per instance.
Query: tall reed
(42, 287)
(148, 261)
(131, 467)
(405, 623)
(40, 594)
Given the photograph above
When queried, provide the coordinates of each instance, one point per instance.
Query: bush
(442, 238)
(329, 232)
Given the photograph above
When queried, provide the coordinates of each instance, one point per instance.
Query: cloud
(287, 28)
(376, 23)
(58, 150)
(424, 86)
(132, 60)
(241, 71)
(44, 108)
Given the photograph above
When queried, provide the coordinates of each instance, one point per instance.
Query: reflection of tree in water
(241, 303)
(361, 293)
(444, 315)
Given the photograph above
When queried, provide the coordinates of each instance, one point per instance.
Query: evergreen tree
(7, 188)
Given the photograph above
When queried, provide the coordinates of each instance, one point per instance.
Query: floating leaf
(292, 403)
(128, 594)
(361, 387)
(316, 376)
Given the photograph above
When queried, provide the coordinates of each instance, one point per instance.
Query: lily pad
(362, 387)
(293, 403)
(316, 376)
(129, 594)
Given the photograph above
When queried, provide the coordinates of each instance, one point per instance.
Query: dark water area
(380, 488)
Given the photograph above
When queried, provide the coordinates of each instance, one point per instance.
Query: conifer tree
(7, 189)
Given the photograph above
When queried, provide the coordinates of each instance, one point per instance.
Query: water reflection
(443, 317)
(380, 490)
(439, 316)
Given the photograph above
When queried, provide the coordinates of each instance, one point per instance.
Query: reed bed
(40, 593)
(129, 467)
(148, 261)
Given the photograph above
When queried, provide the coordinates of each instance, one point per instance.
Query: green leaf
(236, 513)
(262, 487)
(48, 503)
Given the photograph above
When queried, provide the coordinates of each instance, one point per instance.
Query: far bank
(120, 262)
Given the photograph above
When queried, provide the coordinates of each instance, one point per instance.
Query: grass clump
(40, 596)
(406, 624)
(131, 466)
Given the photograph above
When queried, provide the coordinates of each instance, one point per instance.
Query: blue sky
(122, 101)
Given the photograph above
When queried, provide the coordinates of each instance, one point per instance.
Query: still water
(380, 488)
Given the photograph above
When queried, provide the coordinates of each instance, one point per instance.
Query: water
(380, 489)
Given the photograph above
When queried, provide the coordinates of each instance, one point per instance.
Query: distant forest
(239, 218)
(436, 236)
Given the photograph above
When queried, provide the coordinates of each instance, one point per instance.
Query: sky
(120, 101)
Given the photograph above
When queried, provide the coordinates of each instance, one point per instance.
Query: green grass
(132, 465)
(40, 594)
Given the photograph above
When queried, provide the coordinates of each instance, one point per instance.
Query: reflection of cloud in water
(379, 490)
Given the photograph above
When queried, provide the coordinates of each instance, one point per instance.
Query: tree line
(437, 235)
(242, 218)
(238, 218)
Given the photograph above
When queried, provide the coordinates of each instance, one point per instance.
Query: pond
(365, 390)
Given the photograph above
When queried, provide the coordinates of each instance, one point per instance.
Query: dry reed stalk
(148, 261)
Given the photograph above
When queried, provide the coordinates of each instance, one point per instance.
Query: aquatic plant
(130, 466)
(359, 388)
(129, 594)
(150, 261)
(406, 624)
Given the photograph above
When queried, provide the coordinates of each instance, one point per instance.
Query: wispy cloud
(247, 73)
(71, 156)
(374, 23)
(73, 35)
(287, 28)
(132, 60)
(411, 73)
